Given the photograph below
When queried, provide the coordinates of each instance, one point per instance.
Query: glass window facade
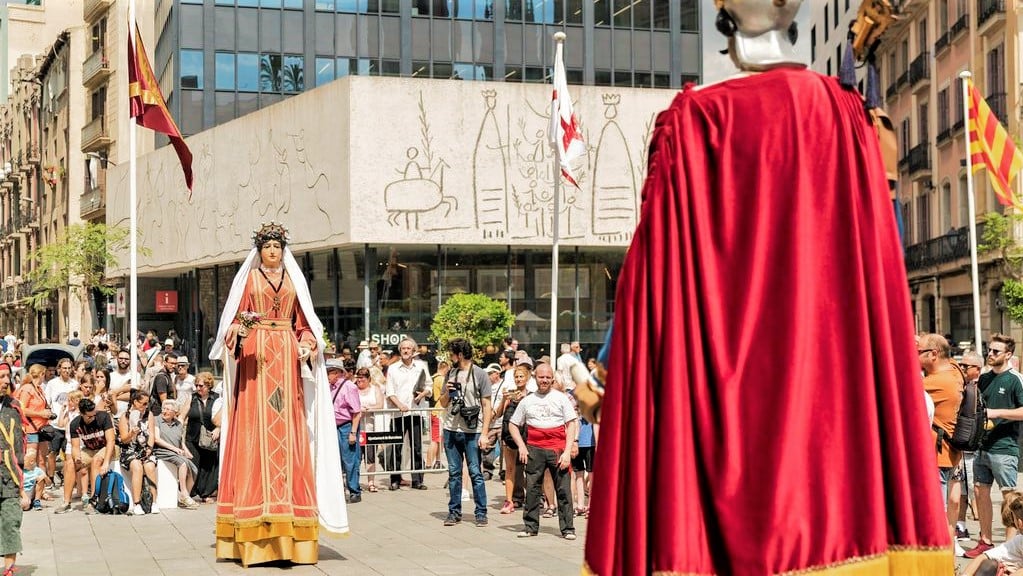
(383, 293)
(276, 43)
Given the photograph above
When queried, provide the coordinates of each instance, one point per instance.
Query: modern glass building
(455, 196)
(221, 59)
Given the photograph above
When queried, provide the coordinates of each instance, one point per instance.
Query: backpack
(971, 421)
(109, 494)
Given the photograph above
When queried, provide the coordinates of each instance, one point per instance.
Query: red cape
(764, 409)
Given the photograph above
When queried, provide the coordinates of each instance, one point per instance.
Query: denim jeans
(459, 446)
(349, 458)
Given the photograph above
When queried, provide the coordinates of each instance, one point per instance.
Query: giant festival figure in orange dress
(280, 464)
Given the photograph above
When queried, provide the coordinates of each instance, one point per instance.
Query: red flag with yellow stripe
(147, 103)
(992, 148)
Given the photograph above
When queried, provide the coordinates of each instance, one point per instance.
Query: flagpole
(971, 204)
(559, 41)
(133, 282)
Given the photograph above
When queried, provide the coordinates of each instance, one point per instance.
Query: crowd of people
(84, 418)
(502, 417)
(996, 460)
(512, 421)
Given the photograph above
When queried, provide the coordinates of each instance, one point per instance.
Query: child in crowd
(1008, 555)
(35, 483)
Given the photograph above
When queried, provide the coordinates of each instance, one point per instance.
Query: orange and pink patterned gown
(266, 509)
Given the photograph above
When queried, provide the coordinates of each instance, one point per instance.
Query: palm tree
(294, 77)
(270, 73)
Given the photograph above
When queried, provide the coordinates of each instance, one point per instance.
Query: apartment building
(921, 57)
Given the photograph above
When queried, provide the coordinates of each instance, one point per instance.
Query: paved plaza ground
(393, 533)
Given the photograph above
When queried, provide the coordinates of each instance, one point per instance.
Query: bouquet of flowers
(247, 319)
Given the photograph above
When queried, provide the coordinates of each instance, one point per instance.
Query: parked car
(49, 354)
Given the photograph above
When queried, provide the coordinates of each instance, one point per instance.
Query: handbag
(206, 440)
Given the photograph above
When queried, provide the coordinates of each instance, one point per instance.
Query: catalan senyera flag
(564, 129)
(147, 103)
(992, 148)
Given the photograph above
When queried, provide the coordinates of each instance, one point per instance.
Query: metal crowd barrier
(396, 442)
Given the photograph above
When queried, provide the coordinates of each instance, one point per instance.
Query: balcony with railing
(93, 9)
(988, 9)
(902, 80)
(960, 25)
(944, 41)
(920, 69)
(942, 250)
(95, 134)
(891, 91)
(95, 69)
(22, 290)
(93, 202)
(944, 134)
(919, 157)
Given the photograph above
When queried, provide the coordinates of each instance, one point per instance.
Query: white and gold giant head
(761, 33)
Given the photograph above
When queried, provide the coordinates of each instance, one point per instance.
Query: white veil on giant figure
(333, 514)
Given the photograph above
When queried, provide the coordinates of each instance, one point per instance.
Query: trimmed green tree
(76, 262)
(999, 237)
(478, 318)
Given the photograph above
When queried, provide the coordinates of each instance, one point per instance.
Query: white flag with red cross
(564, 129)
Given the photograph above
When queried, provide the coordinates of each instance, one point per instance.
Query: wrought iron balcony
(953, 246)
(920, 69)
(95, 135)
(902, 80)
(960, 25)
(33, 154)
(95, 69)
(958, 124)
(986, 9)
(22, 290)
(890, 92)
(919, 157)
(943, 42)
(93, 202)
(944, 134)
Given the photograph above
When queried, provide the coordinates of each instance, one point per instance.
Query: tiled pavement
(393, 533)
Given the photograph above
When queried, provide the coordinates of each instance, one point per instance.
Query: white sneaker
(137, 510)
(465, 495)
(155, 509)
(960, 552)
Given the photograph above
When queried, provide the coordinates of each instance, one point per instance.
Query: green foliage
(998, 237)
(1012, 294)
(76, 260)
(476, 317)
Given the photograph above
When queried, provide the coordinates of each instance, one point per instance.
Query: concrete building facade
(921, 57)
(398, 193)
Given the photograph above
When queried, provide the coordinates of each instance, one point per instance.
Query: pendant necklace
(276, 307)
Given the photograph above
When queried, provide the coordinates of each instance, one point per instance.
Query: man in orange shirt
(943, 381)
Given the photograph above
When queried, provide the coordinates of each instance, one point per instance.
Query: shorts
(89, 455)
(990, 468)
(583, 461)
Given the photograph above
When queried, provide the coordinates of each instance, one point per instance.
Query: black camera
(52, 417)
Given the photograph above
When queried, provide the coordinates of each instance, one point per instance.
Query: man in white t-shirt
(553, 428)
(56, 391)
(565, 361)
(121, 382)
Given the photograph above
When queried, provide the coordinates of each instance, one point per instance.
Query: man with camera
(466, 397)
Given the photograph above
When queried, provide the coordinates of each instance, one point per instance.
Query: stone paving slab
(393, 533)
